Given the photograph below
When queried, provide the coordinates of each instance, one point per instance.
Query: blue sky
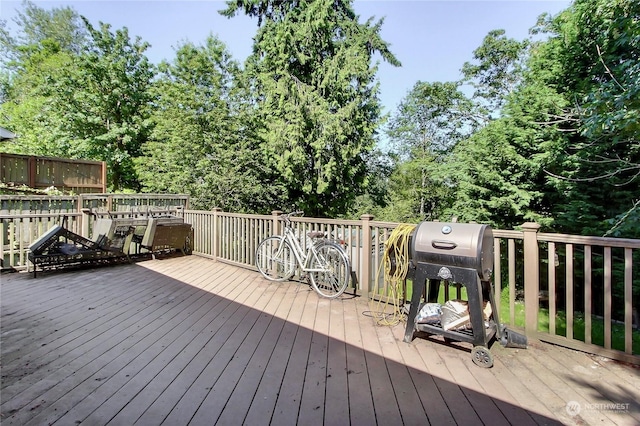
(432, 39)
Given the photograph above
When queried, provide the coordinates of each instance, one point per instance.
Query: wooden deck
(186, 340)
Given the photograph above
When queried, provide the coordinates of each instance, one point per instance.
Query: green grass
(597, 330)
(597, 324)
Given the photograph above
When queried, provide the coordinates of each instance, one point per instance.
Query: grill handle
(443, 245)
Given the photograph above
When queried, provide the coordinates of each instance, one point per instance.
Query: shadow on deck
(186, 340)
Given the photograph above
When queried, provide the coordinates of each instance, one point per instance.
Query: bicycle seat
(315, 234)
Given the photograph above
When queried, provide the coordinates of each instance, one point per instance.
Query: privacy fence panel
(78, 176)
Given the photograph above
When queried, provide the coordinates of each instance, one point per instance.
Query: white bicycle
(324, 261)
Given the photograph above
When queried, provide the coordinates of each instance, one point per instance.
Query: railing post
(32, 168)
(275, 222)
(531, 277)
(82, 221)
(365, 278)
(216, 235)
(103, 176)
(88, 217)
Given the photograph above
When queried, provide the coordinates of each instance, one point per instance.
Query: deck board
(186, 340)
(267, 391)
(427, 391)
(361, 411)
(337, 390)
(384, 402)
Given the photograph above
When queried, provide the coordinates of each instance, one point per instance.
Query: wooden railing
(579, 292)
(28, 204)
(24, 218)
(17, 232)
(548, 303)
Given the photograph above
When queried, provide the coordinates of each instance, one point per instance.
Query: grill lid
(463, 245)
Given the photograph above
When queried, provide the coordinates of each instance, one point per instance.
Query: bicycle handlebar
(286, 216)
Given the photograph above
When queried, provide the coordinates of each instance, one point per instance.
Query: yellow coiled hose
(390, 296)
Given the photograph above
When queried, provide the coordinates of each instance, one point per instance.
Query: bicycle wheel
(275, 259)
(333, 271)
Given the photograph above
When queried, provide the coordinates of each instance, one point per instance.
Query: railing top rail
(135, 210)
(301, 219)
(37, 197)
(589, 241)
(379, 224)
(226, 214)
(137, 196)
(504, 233)
(345, 222)
(37, 215)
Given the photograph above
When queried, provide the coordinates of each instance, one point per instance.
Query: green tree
(107, 100)
(428, 123)
(59, 25)
(497, 174)
(375, 198)
(30, 106)
(34, 62)
(203, 142)
(497, 68)
(76, 91)
(591, 59)
(316, 92)
(564, 150)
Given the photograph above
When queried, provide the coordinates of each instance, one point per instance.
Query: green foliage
(564, 148)
(590, 59)
(107, 112)
(498, 70)
(317, 97)
(428, 123)
(34, 63)
(374, 199)
(204, 141)
(432, 118)
(78, 97)
(494, 178)
(59, 25)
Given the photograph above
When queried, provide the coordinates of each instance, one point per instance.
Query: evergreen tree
(316, 90)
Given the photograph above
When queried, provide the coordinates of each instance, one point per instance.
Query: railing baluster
(587, 294)
(607, 297)
(569, 290)
(3, 240)
(552, 287)
(628, 296)
(512, 281)
(497, 274)
(12, 239)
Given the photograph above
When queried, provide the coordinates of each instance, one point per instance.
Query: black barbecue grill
(459, 253)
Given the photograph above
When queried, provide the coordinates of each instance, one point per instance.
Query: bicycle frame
(303, 258)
